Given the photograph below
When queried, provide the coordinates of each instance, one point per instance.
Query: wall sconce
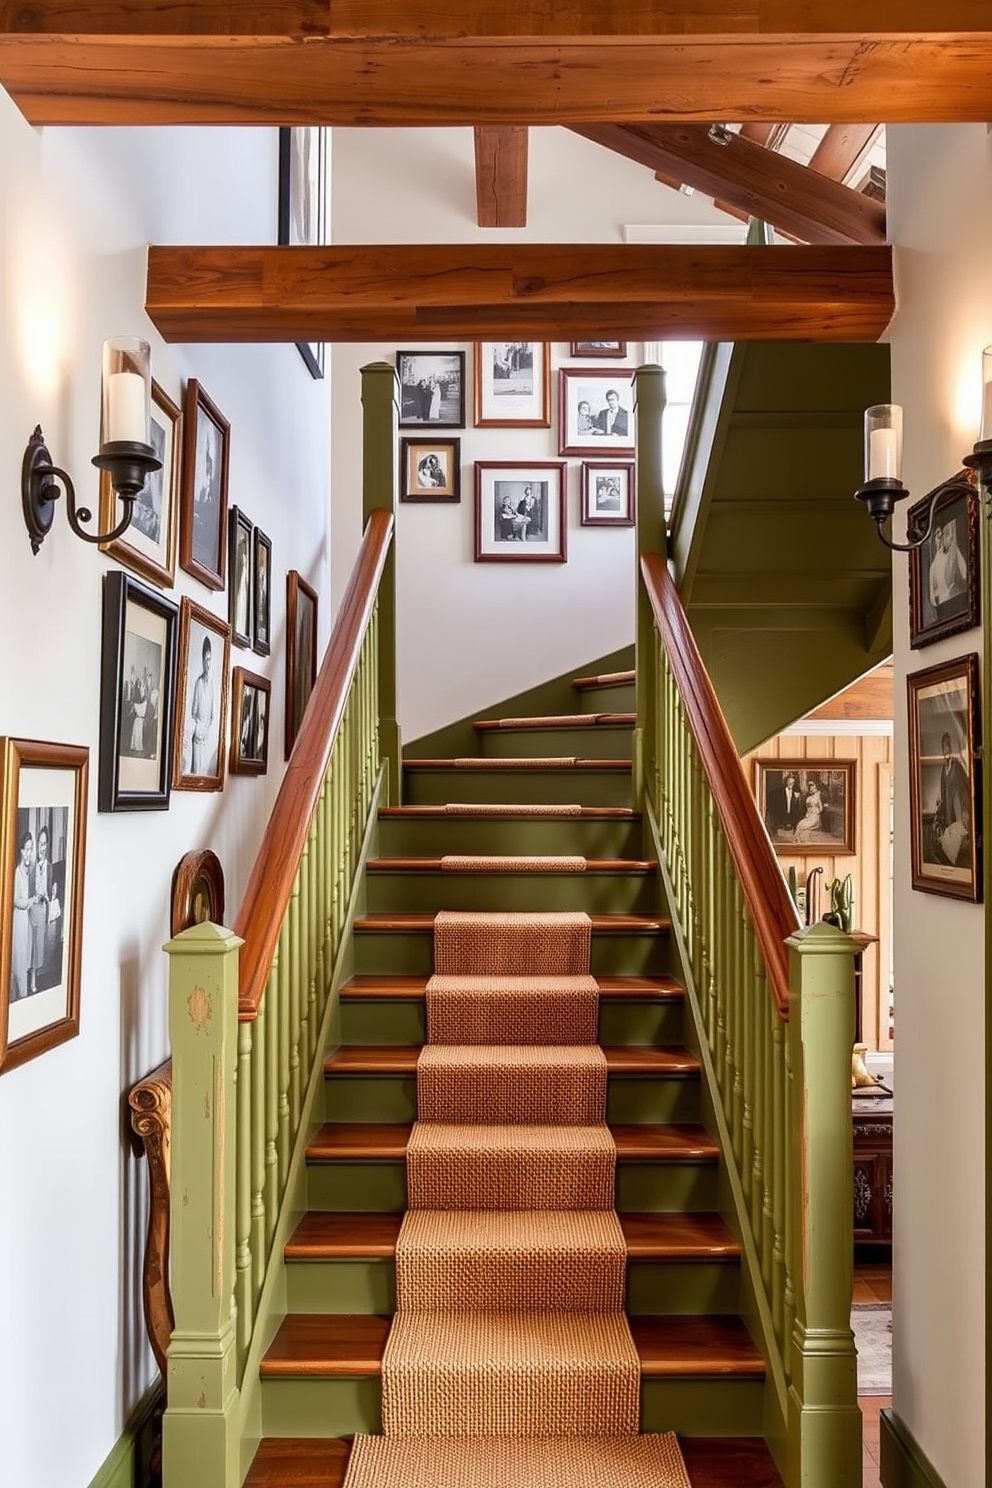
(126, 452)
(883, 485)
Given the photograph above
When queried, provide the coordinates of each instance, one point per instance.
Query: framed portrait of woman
(943, 571)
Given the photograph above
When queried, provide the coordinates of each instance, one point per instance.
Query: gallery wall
(78, 209)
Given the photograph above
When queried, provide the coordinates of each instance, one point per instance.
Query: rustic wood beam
(501, 175)
(544, 292)
(747, 176)
(839, 149)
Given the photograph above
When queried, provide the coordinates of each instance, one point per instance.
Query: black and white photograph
(430, 470)
(512, 385)
(807, 806)
(944, 793)
(608, 494)
(201, 700)
(599, 348)
(240, 570)
(304, 202)
(943, 572)
(44, 832)
(520, 512)
(148, 547)
(301, 651)
(203, 527)
(261, 592)
(137, 687)
(432, 388)
(249, 723)
(596, 413)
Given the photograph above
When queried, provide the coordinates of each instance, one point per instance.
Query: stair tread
(677, 1236)
(605, 679)
(432, 813)
(321, 1234)
(604, 923)
(434, 865)
(678, 1345)
(318, 1343)
(377, 985)
(390, 1059)
(493, 762)
(556, 721)
(383, 1141)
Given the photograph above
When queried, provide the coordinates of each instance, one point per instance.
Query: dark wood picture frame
(137, 696)
(44, 790)
(945, 794)
(505, 529)
(261, 593)
(816, 823)
(944, 595)
(580, 433)
(196, 623)
(203, 506)
(600, 483)
(303, 208)
(240, 567)
(420, 374)
(197, 890)
(250, 722)
(599, 349)
(301, 652)
(520, 373)
(136, 550)
(430, 470)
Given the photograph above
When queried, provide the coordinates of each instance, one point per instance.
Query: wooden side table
(872, 1169)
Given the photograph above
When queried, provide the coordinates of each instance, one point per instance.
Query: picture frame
(520, 511)
(137, 696)
(814, 817)
(261, 592)
(304, 208)
(432, 389)
(945, 797)
(240, 561)
(944, 596)
(596, 413)
(251, 713)
(197, 891)
(149, 545)
(599, 349)
(512, 385)
(608, 494)
(203, 504)
(301, 652)
(430, 470)
(42, 873)
(201, 699)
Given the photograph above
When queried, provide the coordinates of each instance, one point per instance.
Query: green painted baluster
(283, 1005)
(322, 908)
(750, 1065)
(740, 1017)
(311, 921)
(708, 990)
(380, 486)
(768, 1133)
(200, 1434)
(824, 1419)
(259, 1104)
(273, 1189)
(720, 971)
(793, 1199)
(730, 1030)
(651, 537)
(242, 1237)
(776, 1032)
(334, 850)
(295, 1002)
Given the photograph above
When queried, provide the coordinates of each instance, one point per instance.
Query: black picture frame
(137, 696)
(301, 652)
(203, 499)
(240, 564)
(945, 784)
(430, 470)
(303, 208)
(261, 593)
(432, 389)
(944, 597)
(251, 719)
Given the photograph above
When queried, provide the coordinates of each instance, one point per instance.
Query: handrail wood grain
(270, 886)
(772, 911)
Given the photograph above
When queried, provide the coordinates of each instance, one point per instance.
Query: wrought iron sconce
(126, 452)
(883, 485)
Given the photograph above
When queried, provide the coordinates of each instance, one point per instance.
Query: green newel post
(201, 1429)
(380, 484)
(824, 1419)
(652, 537)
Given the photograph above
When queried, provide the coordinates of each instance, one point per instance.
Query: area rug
(872, 1324)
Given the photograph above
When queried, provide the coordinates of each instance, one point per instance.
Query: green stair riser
(365, 1284)
(404, 1021)
(341, 1405)
(589, 837)
(666, 1188)
(703, 1406)
(630, 1099)
(648, 1022)
(596, 893)
(619, 697)
(598, 741)
(355, 1187)
(410, 953)
(528, 787)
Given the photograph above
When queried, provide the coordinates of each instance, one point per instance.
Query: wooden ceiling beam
(501, 175)
(456, 292)
(839, 149)
(747, 176)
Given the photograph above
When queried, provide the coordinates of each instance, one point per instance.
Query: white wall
(77, 210)
(940, 218)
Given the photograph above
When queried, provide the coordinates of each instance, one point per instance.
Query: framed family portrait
(261, 592)
(520, 512)
(148, 547)
(203, 505)
(944, 784)
(250, 697)
(301, 652)
(596, 413)
(943, 572)
(240, 570)
(201, 699)
(599, 348)
(43, 827)
(137, 689)
(430, 470)
(197, 891)
(807, 805)
(512, 385)
(608, 494)
(432, 389)
(304, 207)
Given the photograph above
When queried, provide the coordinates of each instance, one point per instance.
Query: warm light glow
(965, 411)
(40, 303)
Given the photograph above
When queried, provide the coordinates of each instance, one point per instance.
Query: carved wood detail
(151, 1117)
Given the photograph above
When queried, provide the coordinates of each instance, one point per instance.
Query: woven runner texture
(499, 808)
(465, 863)
(512, 1010)
(517, 1462)
(512, 944)
(509, 1167)
(512, 1084)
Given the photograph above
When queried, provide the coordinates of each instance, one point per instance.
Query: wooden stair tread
(373, 985)
(433, 865)
(322, 1234)
(494, 762)
(604, 924)
(725, 1462)
(555, 721)
(433, 813)
(678, 1236)
(605, 679)
(318, 1343)
(672, 1345)
(401, 1059)
(661, 1142)
(379, 1141)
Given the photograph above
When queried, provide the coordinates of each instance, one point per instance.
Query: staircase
(701, 1374)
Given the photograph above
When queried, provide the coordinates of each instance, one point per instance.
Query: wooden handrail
(270, 886)
(772, 911)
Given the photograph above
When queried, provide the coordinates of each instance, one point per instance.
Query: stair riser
(410, 952)
(394, 1098)
(529, 787)
(404, 1021)
(618, 698)
(703, 1406)
(596, 893)
(601, 741)
(340, 1406)
(432, 837)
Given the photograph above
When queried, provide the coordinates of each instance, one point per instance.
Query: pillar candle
(883, 454)
(126, 408)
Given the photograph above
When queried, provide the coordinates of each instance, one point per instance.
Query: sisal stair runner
(510, 1363)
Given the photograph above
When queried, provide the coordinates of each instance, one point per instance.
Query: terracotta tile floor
(872, 1283)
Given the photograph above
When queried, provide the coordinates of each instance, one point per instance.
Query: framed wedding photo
(807, 805)
(608, 494)
(430, 470)
(432, 389)
(261, 592)
(240, 570)
(42, 867)
(943, 572)
(137, 692)
(596, 413)
(304, 208)
(197, 890)
(203, 506)
(512, 385)
(520, 512)
(201, 700)
(301, 652)
(599, 348)
(944, 779)
(148, 547)
(250, 698)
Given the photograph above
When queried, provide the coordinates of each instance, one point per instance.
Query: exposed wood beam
(537, 291)
(747, 176)
(501, 175)
(839, 149)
